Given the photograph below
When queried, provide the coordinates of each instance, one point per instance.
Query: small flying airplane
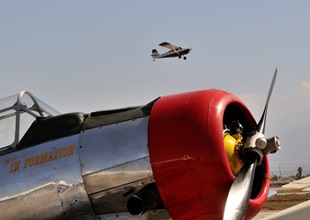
(195, 155)
(174, 51)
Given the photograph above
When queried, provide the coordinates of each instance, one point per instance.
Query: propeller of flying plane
(255, 147)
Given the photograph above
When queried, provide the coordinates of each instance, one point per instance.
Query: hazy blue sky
(94, 55)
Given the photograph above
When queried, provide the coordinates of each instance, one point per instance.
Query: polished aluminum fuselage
(88, 174)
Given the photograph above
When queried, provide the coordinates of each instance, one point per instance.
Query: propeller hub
(261, 143)
(257, 140)
(273, 145)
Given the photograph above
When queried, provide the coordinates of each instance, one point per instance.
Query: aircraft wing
(299, 211)
(169, 46)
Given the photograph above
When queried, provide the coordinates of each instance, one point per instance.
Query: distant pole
(280, 170)
(299, 173)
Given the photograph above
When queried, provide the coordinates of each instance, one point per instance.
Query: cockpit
(26, 121)
(17, 113)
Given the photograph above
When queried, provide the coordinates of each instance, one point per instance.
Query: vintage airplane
(180, 156)
(174, 51)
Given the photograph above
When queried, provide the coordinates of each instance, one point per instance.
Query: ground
(284, 199)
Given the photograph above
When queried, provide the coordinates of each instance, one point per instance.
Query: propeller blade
(240, 191)
(262, 122)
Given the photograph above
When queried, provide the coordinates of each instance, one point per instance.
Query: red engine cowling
(188, 158)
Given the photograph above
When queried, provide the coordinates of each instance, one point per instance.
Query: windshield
(17, 112)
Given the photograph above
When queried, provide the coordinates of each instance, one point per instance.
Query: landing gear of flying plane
(184, 57)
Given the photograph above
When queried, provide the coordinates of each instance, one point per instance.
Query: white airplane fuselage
(173, 53)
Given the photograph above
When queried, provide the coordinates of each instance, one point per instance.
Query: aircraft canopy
(17, 112)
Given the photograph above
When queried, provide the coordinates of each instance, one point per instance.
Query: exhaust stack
(146, 199)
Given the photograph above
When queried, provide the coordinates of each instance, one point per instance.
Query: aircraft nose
(190, 134)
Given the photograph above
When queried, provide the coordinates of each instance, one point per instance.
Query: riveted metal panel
(44, 177)
(117, 176)
(150, 215)
(115, 155)
(114, 145)
(52, 161)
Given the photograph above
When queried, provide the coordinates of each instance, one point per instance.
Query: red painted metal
(188, 157)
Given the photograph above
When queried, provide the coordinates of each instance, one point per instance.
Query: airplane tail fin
(155, 54)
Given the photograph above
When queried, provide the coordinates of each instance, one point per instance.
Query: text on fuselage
(43, 158)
